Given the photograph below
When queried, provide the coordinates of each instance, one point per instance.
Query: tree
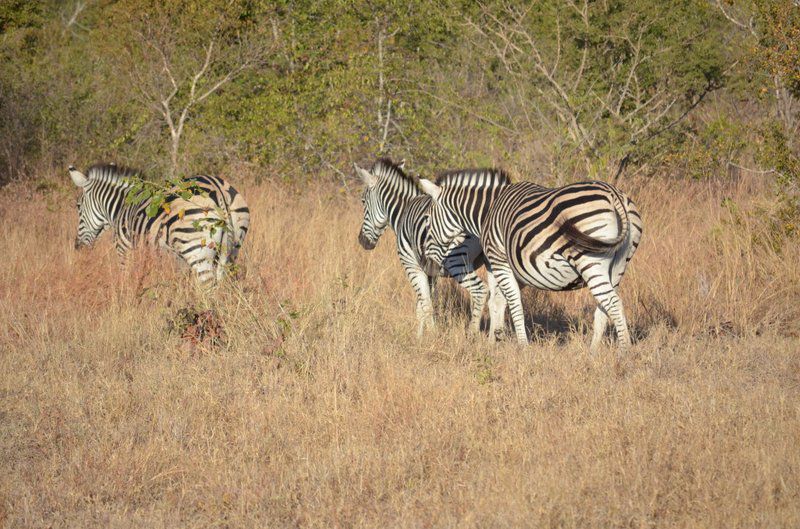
(176, 69)
(605, 76)
(774, 28)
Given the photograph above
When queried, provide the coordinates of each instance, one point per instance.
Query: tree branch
(749, 27)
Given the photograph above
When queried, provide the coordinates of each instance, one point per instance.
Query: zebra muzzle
(365, 242)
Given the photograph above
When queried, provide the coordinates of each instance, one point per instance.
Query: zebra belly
(463, 257)
(548, 271)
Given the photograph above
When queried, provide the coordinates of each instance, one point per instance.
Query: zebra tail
(587, 243)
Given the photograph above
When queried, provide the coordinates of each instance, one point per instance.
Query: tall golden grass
(320, 408)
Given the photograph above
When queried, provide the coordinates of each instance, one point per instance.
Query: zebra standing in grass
(391, 198)
(206, 229)
(564, 238)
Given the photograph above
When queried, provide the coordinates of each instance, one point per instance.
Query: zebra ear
(402, 163)
(366, 177)
(78, 177)
(430, 188)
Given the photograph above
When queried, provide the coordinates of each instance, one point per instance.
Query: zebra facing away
(391, 198)
(206, 230)
(564, 238)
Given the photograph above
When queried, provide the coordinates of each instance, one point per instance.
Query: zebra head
(91, 218)
(444, 231)
(376, 218)
(374, 200)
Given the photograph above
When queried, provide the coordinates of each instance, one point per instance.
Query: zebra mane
(110, 172)
(386, 167)
(469, 177)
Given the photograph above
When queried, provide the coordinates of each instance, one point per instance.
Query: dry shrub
(199, 329)
(321, 408)
(711, 259)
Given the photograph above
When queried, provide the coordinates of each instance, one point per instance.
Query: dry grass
(319, 408)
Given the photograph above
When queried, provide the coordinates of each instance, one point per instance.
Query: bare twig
(749, 27)
(77, 10)
(386, 125)
(168, 85)
(383, 121)
(462, 108)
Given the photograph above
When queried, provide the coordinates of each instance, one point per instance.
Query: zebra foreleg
(464, 274)
(122, 253)
(422, 286)
(477, 293)
(509, 287)
(497, 308)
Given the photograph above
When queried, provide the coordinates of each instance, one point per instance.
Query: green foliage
(161, 196)
(557, 89)
(774, 152)
(710, 149)
(16, 14)
(606, 77)
(779, 46)
(484, 373)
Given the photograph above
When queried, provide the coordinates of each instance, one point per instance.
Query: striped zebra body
(557, 239)
(206, 230)
(392, 199)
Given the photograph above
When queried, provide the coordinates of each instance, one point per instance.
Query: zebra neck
(121, 209)
(474, 225)
(470, 217)
(396, 200)
(478, 214)
(111, 200)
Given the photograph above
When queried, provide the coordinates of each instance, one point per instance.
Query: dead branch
(169, 80)
(749, 27)
(72, 20)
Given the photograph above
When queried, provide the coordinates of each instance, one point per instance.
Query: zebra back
(467, 194)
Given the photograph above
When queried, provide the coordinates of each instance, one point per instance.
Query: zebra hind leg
(610, 305)
(201, 256)
(599, 329)
(203, 267)
(226, 254)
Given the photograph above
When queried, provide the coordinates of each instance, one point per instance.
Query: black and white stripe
(582, 234)
(206, 229)
(392, 199)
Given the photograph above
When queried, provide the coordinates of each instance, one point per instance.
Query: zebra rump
(586, 243)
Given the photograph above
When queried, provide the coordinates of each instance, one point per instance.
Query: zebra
(564, 238)
(392, 199)
(205, 229)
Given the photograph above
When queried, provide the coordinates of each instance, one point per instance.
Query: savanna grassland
(310, 402)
